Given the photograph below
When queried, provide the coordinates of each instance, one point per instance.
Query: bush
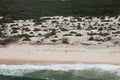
(27, 39)
(65, 41)
(25, 35)
(67, 35)
(14, 30)
(117, 32)
(73, 32)
(9, 40)
(78, 34)
(53, 32)
(56, 37)
(91, 38)
(54, 21)
(1, 34)
(101, 29)
(36, 29)
(26, 29)
(104, 34)
(47, 35)
(108, 39)
(91, 33)
(54, 41)
(63, 29)
(116, 42)
(38, 42)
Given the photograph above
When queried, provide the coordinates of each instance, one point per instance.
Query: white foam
(21, 69)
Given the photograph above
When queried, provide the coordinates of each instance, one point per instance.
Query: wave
(91, 74)
(20, 70)
(2, 77)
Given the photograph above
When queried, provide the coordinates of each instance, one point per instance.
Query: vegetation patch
(79, 34)
(65, 41)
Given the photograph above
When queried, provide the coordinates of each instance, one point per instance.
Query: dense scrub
(24, 9)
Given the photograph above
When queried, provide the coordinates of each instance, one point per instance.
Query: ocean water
(60, 72)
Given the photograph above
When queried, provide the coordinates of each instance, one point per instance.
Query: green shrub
(91, 38)
(14, 30)
(36, 29)
(78, 34)
(117, 32)
(104, 34)
(54, 40)
(65, 41)
(25, 35)
(27, 39)
(64, 29)
(116, 42)
(26, 29)
(92, 33)
(54, 21)
(67, 35)
(56, 37)
(53, 32)
(73, 32)
(47, 35)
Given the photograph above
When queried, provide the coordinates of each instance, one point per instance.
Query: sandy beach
(58, 54)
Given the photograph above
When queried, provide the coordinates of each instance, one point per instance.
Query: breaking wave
(19, 70)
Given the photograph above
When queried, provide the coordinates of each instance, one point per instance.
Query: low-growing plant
(92, 33)
(116, 42)
(54, 21)
(9, 40)
(65, 41)
(104, 34)
(64, 29)
(45, 30)
(73, 32)
(54, 40)
(47, 35)
(38, 42)
(117, 32)
(53, 32)
(78, 34)
(36, 29)
(56, 37)
(27, 39)
(107, 39)
(91, 38)
(26, 29)
(67, 35)
(14, 30)
(25, 35)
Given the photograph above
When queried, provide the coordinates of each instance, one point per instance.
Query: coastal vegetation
(61, 29)
(29, 9)
(76, 21)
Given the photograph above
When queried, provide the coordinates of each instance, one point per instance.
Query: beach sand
(16, 54)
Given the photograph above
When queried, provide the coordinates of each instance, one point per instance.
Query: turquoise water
(60, 72)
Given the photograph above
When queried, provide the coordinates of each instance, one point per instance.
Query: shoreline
(25, 62)
(47, 54)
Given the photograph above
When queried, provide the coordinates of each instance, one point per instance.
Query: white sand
(50, 54)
